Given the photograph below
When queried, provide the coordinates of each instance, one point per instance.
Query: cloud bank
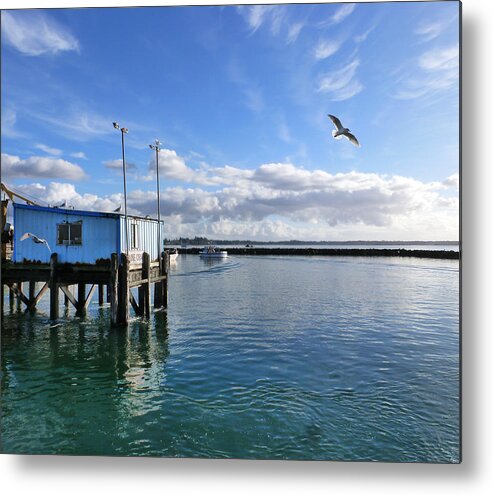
(281, 201)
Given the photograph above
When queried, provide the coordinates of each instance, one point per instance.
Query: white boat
(213, 252)
(173, 255)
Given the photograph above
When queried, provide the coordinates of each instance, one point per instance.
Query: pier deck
(118, 274)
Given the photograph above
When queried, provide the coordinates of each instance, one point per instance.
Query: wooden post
(141, 301)
(108, 295)
(32, 296)
(100, 294)
(66, 299)
(19, 286)
(1, 301)
(123, 292)
(113, 289)
(32, 291)
(11, 299)
(146, 275)
(81, 298)
(158, 287)
(53, 287)
(5, 203)
(165, 281)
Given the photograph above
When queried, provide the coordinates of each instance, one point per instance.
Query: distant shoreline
(262, 251)
(200, 241)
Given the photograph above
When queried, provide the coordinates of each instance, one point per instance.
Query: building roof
(87, 213)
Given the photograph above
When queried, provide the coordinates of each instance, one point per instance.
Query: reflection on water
(257, 357)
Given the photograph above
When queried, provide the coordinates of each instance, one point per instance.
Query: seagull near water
(342, 131)
(36, 239)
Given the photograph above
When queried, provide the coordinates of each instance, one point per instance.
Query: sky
(238, 96)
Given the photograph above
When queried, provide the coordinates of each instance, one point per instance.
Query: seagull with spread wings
(341, 131)
(36, 239)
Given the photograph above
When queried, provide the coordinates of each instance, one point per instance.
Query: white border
(76, 475)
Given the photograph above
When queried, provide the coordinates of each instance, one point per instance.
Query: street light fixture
(157, 149)
(124, 131)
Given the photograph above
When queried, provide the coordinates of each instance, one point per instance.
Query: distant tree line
(201, 241)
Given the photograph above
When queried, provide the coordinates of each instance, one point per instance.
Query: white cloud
(341, 84)
(172, 166)
(326, 48)
(282, 201)
(256, 15)
(362, 37)
(274, 18)
(294, 31)
(9, 118)
(429, 29)
(342, 12)
(440, 59)
(48, 150)
(14, 167)
(452, 181)
(77, 123)
(436, 70)
(55, 192)
(34, 33)
(79, 154)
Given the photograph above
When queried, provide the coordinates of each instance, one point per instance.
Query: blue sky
(239, 97)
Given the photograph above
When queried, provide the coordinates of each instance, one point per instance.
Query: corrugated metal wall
(147, 235)
(99, 235)
(102, 235)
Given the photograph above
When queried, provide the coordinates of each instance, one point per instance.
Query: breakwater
(261, 251)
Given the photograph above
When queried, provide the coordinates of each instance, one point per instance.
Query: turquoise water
(258, 357)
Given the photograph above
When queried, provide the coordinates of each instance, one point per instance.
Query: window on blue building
(69, 234)
(134, 236)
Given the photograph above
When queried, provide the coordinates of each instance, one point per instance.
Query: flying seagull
(36, 239)
(342, 131)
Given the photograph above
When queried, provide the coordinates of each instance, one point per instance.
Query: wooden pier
(119, 275)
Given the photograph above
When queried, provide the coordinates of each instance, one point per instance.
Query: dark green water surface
(257, 357)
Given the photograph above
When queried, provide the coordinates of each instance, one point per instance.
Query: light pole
(124, 131)
(157, 149)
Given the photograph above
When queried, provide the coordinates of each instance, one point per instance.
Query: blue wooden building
(81, 236)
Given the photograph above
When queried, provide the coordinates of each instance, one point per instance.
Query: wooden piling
(18, 300)
(139, 310)
(123, 291)
(113, 289)
(32, 296)
(32, 290)
(146, 287)
(84, 302)
(53, 287)
(100, 294)
(81, 298)
(165, 281)
(158, 287)
(120, 277)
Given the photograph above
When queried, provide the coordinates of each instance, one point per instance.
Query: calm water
(258, 357)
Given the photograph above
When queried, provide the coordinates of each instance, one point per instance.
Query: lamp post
(124, 131)
(157, 149)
